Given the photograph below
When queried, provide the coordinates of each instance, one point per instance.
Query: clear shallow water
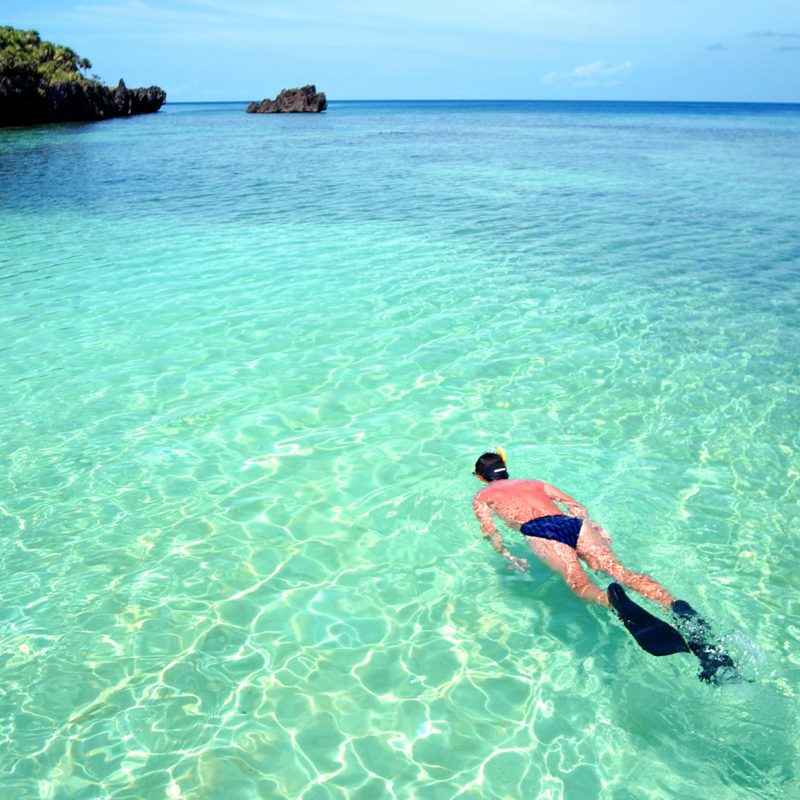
(247, 365)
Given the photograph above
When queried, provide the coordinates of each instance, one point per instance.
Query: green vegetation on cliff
(24, 56)
(41, 82)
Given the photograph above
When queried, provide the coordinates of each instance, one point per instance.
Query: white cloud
(595, 74)
(773, 35)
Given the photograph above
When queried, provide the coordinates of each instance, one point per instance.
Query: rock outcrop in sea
(70, 101)
(292, 101)
(43, 82)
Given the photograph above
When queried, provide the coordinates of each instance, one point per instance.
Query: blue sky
(728, 50)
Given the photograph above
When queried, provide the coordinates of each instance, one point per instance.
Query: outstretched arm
(574, 508)
(490, 532)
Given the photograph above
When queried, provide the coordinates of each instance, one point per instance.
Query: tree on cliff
(41, 82)
(24, 56)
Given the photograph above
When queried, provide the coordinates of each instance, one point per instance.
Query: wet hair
(491, 467)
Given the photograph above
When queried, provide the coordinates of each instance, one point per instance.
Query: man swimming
(559, 540)
(563, 540)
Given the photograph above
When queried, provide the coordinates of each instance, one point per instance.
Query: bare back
(518, 501)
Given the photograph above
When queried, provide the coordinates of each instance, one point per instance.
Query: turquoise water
(247, 364)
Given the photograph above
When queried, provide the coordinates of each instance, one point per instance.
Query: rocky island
(292, 101)
(42, 82)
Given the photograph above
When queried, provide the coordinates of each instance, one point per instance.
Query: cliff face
(291, 101)
(31, 102)
(45, 82)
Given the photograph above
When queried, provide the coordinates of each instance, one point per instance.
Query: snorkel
(502, 454)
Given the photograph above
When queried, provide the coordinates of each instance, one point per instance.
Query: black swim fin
(716, 666)
(652, 634)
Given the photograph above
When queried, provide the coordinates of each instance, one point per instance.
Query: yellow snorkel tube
(502, 454)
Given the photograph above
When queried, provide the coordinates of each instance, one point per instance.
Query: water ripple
(249, 366)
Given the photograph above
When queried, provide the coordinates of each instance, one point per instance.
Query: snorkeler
(563, 540)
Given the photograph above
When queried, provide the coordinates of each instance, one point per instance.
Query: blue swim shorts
(556, 528)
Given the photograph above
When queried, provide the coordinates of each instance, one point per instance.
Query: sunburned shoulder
(507, 486)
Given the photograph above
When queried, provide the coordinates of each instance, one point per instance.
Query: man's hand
(518, 563)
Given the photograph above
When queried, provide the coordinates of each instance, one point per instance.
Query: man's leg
(597, 554)
(564, 560)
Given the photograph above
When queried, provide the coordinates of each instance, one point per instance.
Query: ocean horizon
(726, 104)
(248, 364)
